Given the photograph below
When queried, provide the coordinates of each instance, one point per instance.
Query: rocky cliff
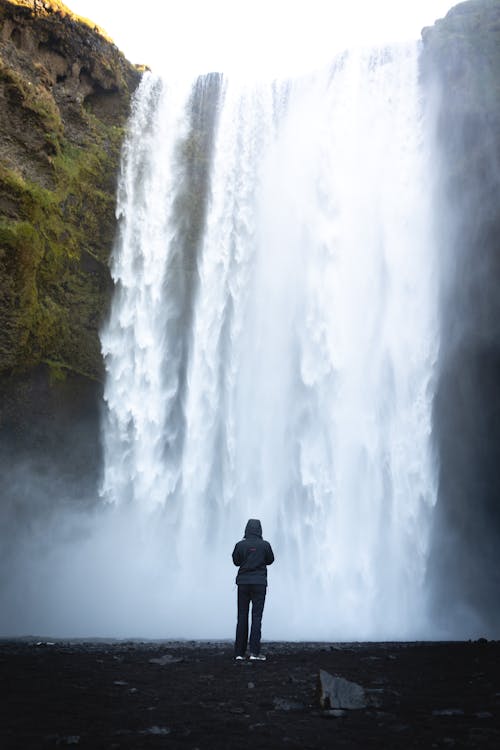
(461, 73)
(65, 92)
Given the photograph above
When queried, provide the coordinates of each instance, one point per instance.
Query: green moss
(46, 7)
(57, 194)
(58, 304)
(32, 97)
(57, 373)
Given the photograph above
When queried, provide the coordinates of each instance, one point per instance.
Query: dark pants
(255, 593)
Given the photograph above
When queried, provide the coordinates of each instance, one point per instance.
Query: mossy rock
(65, 94)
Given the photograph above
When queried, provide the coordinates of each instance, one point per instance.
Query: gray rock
(448, 712)
(163, 661)
(155, 730)
(337, 692)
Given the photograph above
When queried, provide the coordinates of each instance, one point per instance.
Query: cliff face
(65, 93)
(461, 71)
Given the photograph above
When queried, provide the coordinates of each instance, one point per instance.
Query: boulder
(338, 693)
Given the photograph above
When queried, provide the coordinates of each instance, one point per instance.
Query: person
(252, 554)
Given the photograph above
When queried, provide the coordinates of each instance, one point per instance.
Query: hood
(253, 528)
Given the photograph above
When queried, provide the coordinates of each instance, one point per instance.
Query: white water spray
(271, 346)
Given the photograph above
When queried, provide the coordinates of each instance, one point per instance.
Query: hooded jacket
(253, 554)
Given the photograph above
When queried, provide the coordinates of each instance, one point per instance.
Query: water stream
(271, 347)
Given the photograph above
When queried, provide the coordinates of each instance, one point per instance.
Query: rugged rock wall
(65, 92)
(461, 68)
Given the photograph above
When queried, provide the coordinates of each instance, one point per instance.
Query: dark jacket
(252, 555)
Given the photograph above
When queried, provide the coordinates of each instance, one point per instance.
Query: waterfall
(271, 345)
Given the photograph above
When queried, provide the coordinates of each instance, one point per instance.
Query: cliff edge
(65, 93)
(461, 70)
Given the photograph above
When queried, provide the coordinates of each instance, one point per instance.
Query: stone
(156, 730)
(337, 692)
(166, 659)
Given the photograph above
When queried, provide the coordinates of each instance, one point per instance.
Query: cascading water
(271, 345)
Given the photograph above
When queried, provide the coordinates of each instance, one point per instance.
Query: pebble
(164, 660)
(155, 730)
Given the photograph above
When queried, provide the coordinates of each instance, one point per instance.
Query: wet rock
(337, 692)
(156, 730)
(166, 659)
(448, 712)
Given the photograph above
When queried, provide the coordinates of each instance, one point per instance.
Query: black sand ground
(115, 695)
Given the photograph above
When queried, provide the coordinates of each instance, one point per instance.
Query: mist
(304, 329)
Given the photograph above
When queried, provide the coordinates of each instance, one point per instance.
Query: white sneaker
(240, 658)
(257, 657)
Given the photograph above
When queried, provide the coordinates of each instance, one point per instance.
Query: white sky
(253, 37)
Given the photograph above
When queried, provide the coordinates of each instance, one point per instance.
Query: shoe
(239, 658)
(257, 657)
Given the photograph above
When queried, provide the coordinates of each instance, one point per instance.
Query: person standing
(252, 554)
